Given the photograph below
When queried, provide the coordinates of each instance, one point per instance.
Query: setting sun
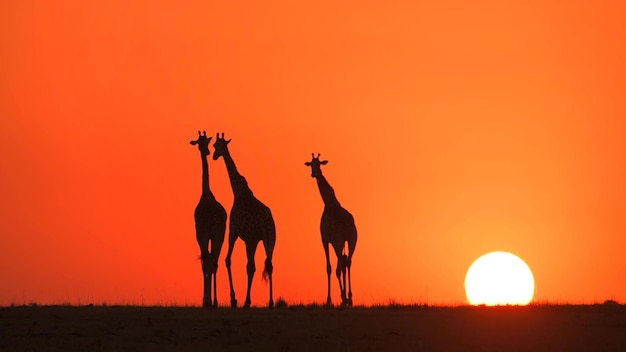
(499, 278)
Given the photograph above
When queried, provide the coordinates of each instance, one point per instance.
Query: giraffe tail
(267, 271)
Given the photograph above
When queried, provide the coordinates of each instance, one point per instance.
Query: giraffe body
(250, 220)
(210, 220)
(337, 228)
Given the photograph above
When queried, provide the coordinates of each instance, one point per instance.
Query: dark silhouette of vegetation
(313, 327)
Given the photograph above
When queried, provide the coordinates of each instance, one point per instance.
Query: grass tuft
(281, 303)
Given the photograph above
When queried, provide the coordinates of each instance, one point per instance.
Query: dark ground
(302, 328)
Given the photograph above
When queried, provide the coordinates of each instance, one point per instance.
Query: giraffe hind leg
(216, 248)
(250, 269)
(210, 275)
(268, 270)
(348, 265)
(215, 290)
(206, 298)
(328, 271)
(339, 271)
(231, 246)
(268, 273)
(209, 268)
(205, 259)
(344, 260)
(211, 300)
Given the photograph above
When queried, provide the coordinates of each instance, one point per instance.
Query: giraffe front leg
(231, 246)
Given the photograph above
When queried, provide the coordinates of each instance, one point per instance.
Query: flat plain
(314, 328)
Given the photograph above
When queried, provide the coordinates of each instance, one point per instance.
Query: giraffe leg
(344, 259)
(206, 299)
(206, 279)
(250, 268)
(351, 248)
(214, 275)
(216, 246)
(210, 275)
(328, 271)
(269, 269)
(231, 246)
(338, 272)
(215, 282)
(349, 264)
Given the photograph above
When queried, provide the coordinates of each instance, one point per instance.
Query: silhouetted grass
(280, 303)
(313, 327)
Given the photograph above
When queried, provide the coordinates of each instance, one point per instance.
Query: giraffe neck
(206, 191)
(205, 174)
(326, 191)
(237, 182)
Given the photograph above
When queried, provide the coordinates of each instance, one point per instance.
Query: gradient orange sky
(452, 129)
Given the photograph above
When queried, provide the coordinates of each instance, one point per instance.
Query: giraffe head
(316, 165)
(220, 146)
(203, 143)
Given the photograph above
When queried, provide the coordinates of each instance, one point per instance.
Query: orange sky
(451, 129)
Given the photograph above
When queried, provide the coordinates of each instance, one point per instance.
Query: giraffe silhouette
(250, 220)
(337, 227)
(210, 218)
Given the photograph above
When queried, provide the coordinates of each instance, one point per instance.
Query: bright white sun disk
(499, 278)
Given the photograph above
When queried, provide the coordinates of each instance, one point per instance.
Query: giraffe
(337, 227)
(250, 220)
(210, 218)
